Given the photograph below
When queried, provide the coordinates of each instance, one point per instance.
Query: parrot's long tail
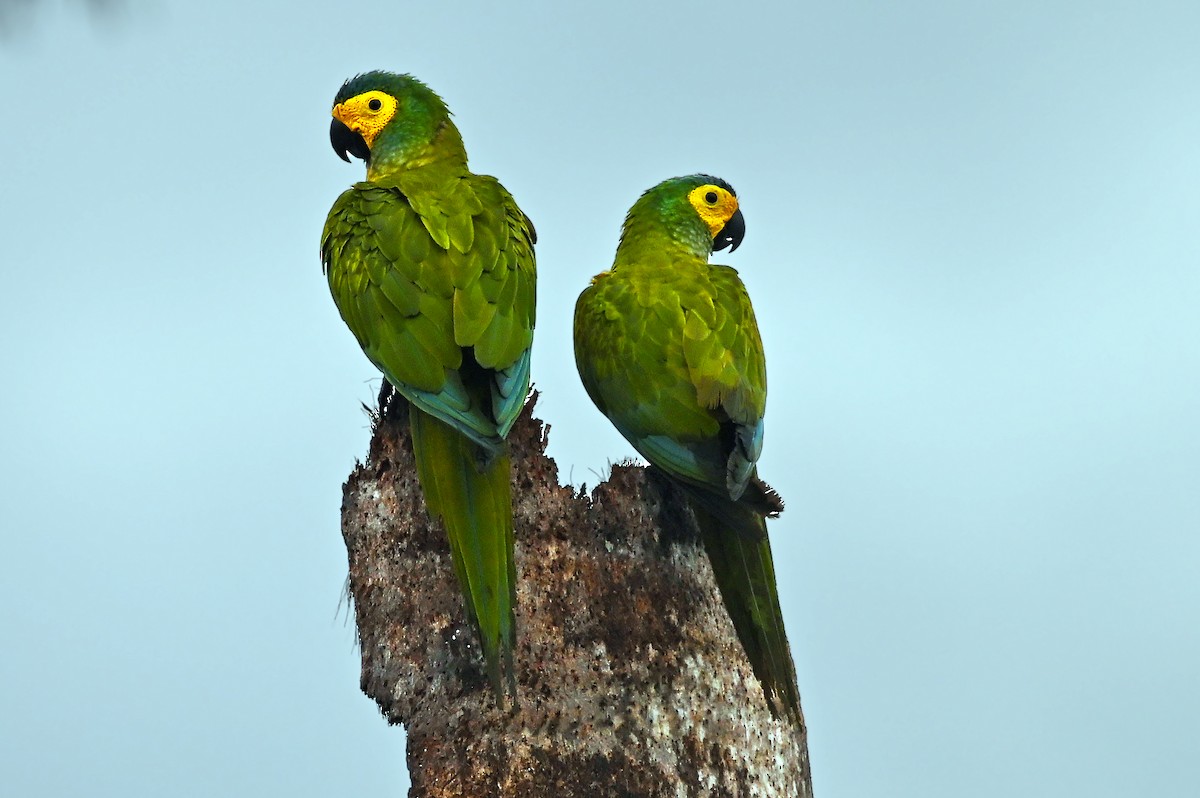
(745, 572)
(470, 492)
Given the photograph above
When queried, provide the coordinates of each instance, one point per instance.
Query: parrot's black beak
(731, 234)
(346, 141)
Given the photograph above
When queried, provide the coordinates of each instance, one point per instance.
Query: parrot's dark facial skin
(731, 234)
(346, 142)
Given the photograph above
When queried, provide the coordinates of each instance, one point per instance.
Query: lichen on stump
(631, 679)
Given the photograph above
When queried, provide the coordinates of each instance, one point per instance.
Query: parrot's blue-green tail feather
(469, 490)
(745, 572)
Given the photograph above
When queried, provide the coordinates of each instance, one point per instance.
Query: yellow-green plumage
(668, 348)
(432, 268)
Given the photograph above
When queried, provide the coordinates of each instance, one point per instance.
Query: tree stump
(631, 679)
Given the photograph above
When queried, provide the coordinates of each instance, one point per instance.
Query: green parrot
(432, 269)
(667, 346)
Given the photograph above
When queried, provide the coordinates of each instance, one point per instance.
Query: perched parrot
(667, 346)
(432, 269)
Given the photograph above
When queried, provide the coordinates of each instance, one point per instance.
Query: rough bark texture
(630, 675)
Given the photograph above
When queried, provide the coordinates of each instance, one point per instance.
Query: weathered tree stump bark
(631, 678)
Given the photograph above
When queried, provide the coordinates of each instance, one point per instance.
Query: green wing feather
(671, 353)
(416, 307)
(435, 277)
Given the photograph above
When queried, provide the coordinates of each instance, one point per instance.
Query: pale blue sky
(973, 243)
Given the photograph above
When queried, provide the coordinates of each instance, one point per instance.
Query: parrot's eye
(374, 104)
(711, 198)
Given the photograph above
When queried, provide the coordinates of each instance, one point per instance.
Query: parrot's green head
(392, 122)
(697, 212)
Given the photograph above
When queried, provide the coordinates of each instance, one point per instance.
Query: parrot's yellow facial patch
(714, 204)
(367, 113)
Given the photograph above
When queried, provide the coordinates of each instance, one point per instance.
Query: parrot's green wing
(421, 290)
(671, 353)
(435, 278)
(674, 358)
